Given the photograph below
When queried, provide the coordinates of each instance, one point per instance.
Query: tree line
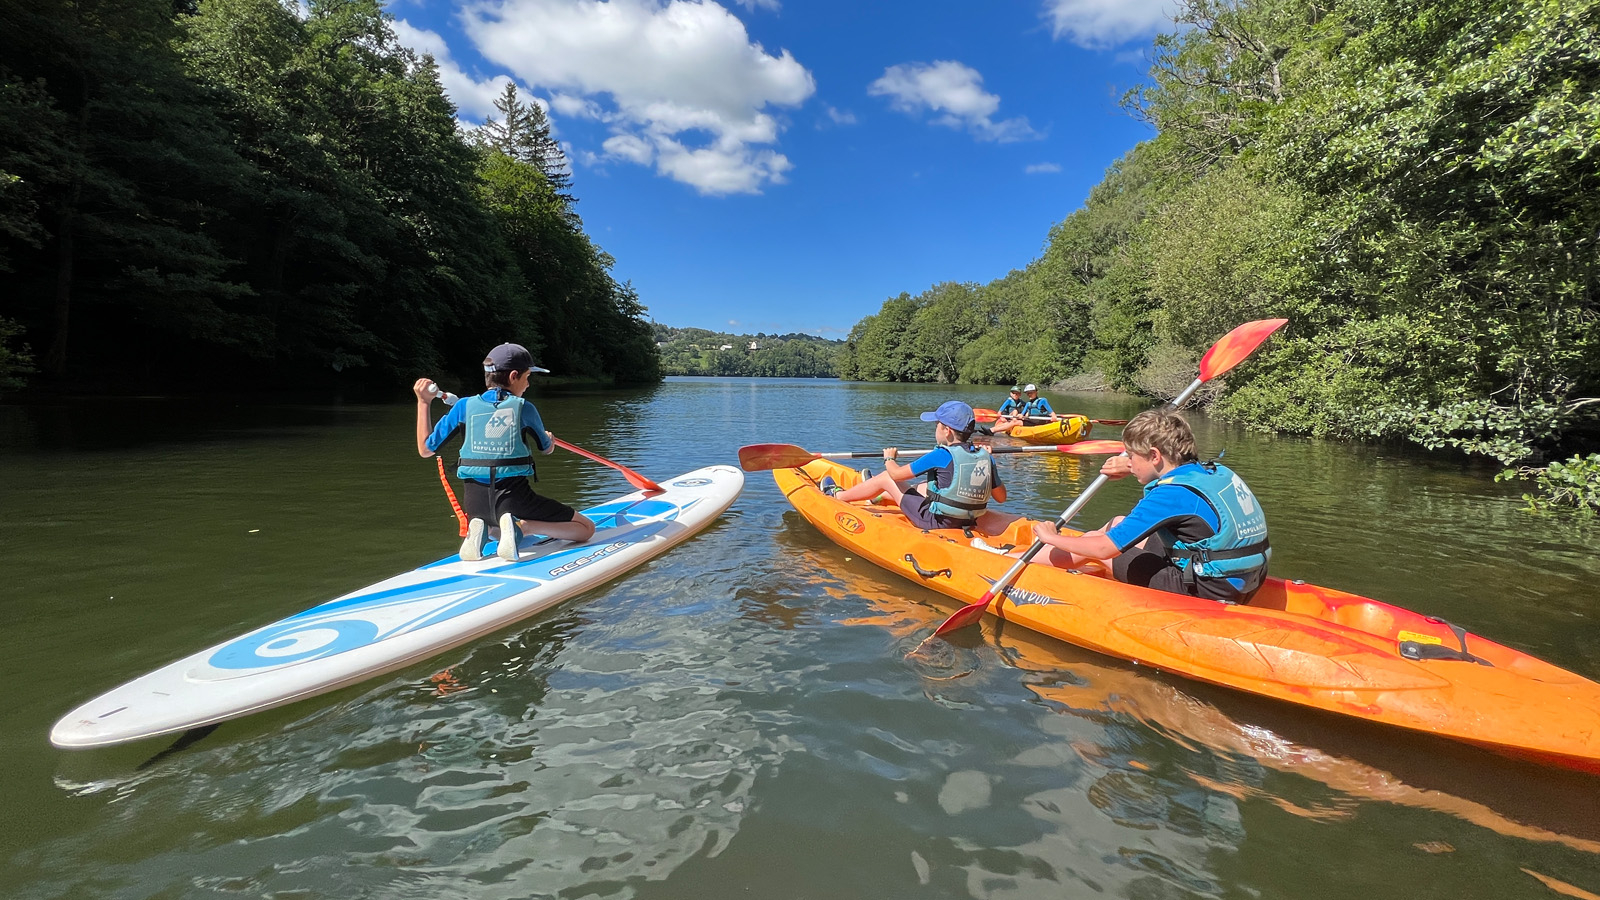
(187, 186)
(1415, 187)
(698, 351)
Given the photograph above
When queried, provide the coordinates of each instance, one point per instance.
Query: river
(736, 718)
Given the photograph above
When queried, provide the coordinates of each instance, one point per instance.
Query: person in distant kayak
(496, 457)
(1010, 412)
(960, 482)
(1037, 406)
(1198, 530)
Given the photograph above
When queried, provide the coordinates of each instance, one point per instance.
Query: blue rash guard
(1012, 407)
(1038, 406)
(455, 421)
(1177, 514)
(943, 466)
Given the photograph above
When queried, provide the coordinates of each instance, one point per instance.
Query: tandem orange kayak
(1308, 645)
(1069, 430)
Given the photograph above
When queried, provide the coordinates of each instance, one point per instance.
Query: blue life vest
(1012, 407)
(1038, 406)
(1239, 549)
(494, 448)
(972, 472)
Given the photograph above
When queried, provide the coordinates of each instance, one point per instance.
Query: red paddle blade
(1236, 345)
(966, 615)
(765, 457)
(634, 478)
(1092, 448)
(985, 415)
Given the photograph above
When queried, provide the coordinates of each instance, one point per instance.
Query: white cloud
(1099, 24)
(733, 321)
(474, 99)
(841, 116)
(956, 91)
(758, 4)
(680, 79)
(1042, 168)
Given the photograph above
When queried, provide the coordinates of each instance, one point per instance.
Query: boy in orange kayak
(961, 477)
(496, 459)
(1198, 530)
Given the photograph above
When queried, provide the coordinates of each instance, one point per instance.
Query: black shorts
(1149, 567)
(511, 495)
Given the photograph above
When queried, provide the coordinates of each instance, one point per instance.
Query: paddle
(764, 457)
(634, 478)
(989, 415)
(1226, 353)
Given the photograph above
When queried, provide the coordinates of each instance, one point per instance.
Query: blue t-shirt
(1012, 407)
(944, 468)
(455, 420)
(1174, 507)
(1039, 406)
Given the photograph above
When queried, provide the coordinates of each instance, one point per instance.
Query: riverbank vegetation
(1415, 187)
(278, 194)
(697, 351)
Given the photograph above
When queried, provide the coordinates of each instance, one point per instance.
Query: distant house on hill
(726, 347)
(755, 345)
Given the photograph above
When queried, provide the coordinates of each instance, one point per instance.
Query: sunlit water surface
(735, 718)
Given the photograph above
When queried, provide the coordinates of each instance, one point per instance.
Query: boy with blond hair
(1198, 530)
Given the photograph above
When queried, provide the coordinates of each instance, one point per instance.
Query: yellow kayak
(1069, 430)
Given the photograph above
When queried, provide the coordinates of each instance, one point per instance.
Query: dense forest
(279, 193)
(696, 351)
(1416, 187)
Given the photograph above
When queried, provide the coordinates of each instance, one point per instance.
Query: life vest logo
(849, 523)
(980, 474)
(1247, 500)
(499, 424)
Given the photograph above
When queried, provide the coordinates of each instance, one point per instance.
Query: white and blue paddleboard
(399, 621)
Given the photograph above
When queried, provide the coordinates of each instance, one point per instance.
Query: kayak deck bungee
(1309, 645)
(1070, 429)
(398, 621)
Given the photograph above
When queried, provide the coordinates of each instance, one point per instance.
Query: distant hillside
(696, 351)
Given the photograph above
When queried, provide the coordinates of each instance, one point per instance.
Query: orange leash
(461, 516)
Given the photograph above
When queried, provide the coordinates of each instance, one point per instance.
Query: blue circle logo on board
(691, 482)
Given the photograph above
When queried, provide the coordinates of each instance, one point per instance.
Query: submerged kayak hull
(398, 621)
(1308, 645)
(1069, 430)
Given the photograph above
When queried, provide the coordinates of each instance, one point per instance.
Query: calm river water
(734, 719)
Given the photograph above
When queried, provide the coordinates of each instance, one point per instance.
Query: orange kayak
(1309, 645)
(1069, 430)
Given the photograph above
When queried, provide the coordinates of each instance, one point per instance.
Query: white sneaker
(507, 550)
(472, 545)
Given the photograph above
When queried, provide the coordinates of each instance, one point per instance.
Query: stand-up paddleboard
(399, 621)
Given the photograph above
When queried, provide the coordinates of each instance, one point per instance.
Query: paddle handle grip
(448, 398)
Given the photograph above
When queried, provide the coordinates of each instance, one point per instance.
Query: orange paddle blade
(1092, 448)
(634, 478)
(1236, 345)
(961, 618)
(765, 457)
(985, 415)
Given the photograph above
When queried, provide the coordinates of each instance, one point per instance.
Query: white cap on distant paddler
(1032, 389)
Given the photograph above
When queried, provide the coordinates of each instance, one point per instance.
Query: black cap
(510, 358)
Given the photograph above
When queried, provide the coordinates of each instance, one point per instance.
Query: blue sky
(786, 165)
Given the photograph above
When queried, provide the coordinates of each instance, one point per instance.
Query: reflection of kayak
(1069, 430)
(394, 623)
(1308, 645)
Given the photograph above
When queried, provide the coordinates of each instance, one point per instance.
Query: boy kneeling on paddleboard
(961, 477)
(1198, 531)
(496, 461)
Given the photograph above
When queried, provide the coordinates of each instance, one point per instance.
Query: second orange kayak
(1308, 645)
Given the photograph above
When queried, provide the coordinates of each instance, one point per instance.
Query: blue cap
(510, 358)
(953, 413)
